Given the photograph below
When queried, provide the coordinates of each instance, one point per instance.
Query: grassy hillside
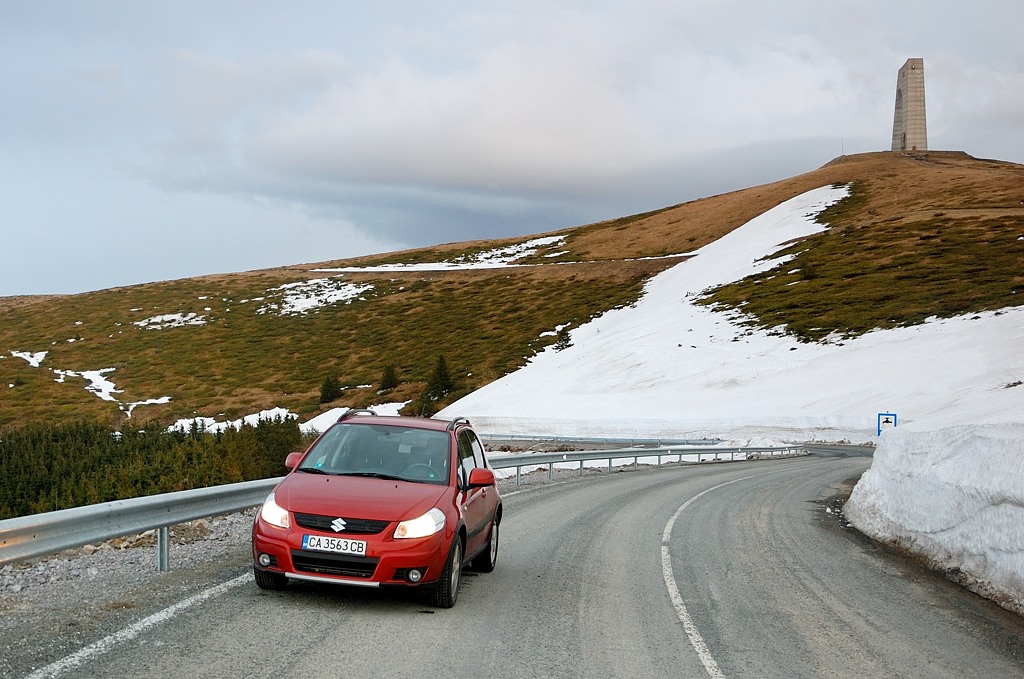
(940, 234)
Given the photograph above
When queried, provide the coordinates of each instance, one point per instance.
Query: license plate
(321, 543)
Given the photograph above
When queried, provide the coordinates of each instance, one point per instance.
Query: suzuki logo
(338, 525)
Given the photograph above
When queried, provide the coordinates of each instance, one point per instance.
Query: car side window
(466, 460)
(478, 450)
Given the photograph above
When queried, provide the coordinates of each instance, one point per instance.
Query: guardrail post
(551, 466)
(518, 470)
(163, 549)
(581, 467)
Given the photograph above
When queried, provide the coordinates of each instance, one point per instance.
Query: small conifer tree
(562, 339)
(330, 389)
(388, 378)
(440, 382)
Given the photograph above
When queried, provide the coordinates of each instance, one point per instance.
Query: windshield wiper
(376, 475)
(311, 470)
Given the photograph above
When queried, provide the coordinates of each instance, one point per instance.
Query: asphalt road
(759, 577)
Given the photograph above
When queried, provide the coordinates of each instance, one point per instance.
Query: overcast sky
(144, 141)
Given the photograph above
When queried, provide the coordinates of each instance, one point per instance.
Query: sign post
(886, 421)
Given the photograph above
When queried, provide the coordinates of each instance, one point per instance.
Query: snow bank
(729, 433)
(956, 496)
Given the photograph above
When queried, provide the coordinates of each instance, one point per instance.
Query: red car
(382, 501)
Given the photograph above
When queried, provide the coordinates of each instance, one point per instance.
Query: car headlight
(274, 514)
(421, 526)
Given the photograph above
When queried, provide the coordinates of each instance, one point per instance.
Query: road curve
(771, 582)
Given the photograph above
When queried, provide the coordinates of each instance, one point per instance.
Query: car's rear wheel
(268, 580)
(487, 558)
(446, 591)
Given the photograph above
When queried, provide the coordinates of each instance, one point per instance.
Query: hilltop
(939, 234)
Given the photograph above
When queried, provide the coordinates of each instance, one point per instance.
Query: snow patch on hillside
(97, 383)
(212, 426)
(316, 425)
(34, 359)
(490, 259)
(165, 321)
(305, 296)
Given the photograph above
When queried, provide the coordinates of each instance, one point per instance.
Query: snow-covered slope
(669, 366)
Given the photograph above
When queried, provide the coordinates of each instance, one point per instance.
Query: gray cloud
(358, 127)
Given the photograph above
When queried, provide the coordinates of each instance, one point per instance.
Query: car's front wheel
(445, 592)
(268, 580)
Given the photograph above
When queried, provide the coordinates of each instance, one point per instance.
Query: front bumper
(387, 562)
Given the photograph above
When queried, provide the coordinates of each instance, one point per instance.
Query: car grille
(352, 526)
(334, 564)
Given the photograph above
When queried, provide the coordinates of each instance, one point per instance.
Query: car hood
(356, 496)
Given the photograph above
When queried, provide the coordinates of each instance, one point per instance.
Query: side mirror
(480, 477)
(292, 461)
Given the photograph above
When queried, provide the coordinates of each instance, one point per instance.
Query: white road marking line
(696, 640)
(128, 633)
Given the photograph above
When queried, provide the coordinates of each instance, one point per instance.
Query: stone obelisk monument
(909, 128)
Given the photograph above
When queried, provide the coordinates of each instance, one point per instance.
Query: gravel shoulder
(52, 606)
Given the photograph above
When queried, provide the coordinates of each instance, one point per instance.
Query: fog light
(415, 575)
(264, 560)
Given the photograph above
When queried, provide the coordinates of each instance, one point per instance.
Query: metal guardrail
(27, 537)
(679, 452)
(36, 535)
(632, 442)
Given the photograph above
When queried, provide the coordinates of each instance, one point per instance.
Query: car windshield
(385, 451)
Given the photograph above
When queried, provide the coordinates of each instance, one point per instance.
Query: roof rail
(456, 421)
(352, 412)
